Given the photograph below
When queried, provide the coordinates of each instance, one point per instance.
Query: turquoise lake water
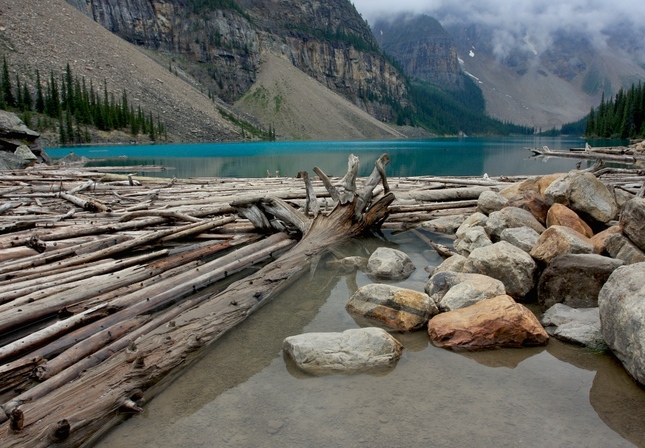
(438, 156)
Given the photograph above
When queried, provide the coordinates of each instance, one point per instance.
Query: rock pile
(566, 241)
(19, 145)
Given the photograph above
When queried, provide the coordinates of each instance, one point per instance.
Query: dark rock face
(221, 48)
(575, 280)
(423, 48)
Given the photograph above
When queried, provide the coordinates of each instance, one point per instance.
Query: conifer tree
(7, 90)
(40, 99)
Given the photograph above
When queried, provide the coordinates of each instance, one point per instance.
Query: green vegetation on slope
(620, 117)
(451, 112)
(74, 105)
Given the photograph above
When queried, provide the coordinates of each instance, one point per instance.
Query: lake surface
(439, 156)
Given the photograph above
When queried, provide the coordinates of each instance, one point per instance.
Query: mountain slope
(48, 34)
(221, 43)
(300, 108)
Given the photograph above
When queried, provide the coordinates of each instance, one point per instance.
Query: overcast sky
(513, 20)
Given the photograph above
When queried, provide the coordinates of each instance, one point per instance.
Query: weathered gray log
(46, 334)
(91, 401)
(448, 194)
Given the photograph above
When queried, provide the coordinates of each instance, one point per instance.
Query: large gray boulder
(471, 239)
(444, 224)
(455, 263)
(506, 263)
(621, 247)
(490, 201)
(454, 290)
(352, 351)
(576, 325)
(622, 313)
(399, 308)
(476, 219)
(583, 193)
(511, 217)
(524, 238)
(386, 263)
(575, 280)
(632, 220)
(14, 134)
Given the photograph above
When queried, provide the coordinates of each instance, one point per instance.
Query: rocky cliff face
(423, 49)
(221, 47)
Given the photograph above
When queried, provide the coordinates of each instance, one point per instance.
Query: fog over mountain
(530, 25)
(538, 62)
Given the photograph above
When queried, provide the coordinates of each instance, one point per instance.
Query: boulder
(490, 323)
(352, 351)
(632, 221)
(444, 224)
(599, 240)
(523, 238)
(533, 203)
(559, 240)
(622, 197)
(621, 247)
(476, 219)
(561, 215)
(399, 308)
(10, 161)
(583, 193)
(490, 201)
(15, 134)
(535, 184)
(622, 313)
(576, 325)
(455, 263)
(508, 218)
(25, 153)
(575, 280)
(471, 239)
(454, 290)
(386, 263)
(506, 263)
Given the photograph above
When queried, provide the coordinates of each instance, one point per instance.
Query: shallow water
(244, 393)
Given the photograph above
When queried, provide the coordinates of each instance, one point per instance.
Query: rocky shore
(568, 242)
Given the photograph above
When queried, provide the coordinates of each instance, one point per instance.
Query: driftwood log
(69, 413)
(101, 305)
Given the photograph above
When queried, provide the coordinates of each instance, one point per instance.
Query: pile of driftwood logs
(109, 283)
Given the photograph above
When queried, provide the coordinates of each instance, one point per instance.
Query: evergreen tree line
(74, 105)
(448, 113)
(619, 117)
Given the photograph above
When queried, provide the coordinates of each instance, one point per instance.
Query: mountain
(544, 89)
(422, 48)
(186, 61)
(222, 43)
(300, 109)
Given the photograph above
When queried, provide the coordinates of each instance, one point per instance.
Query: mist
(530, 25)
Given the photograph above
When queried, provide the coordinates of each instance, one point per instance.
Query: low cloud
(528, 24)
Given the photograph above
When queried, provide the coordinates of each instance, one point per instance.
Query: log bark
(87, 404)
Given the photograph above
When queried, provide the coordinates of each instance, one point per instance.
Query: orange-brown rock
(496, 322)
(599, 240)
(558, 240)
(537, 184)
(561, 215)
